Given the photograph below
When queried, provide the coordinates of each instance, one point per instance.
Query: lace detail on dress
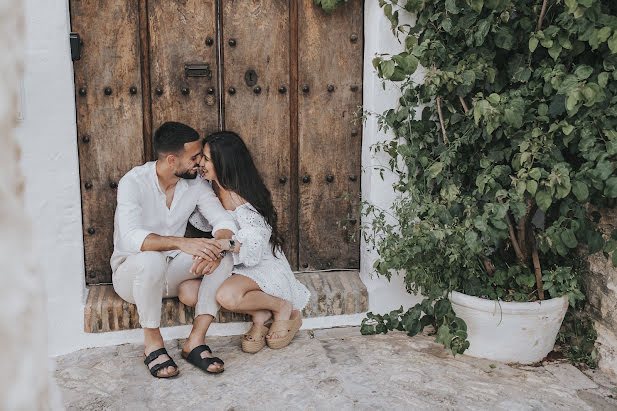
(254, 235)
(200, 222)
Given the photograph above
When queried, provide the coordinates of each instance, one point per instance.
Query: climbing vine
(500, 150)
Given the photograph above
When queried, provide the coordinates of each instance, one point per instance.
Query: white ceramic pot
(510, 331)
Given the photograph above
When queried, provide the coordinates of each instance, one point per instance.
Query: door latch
(197, 70)
(76, 44)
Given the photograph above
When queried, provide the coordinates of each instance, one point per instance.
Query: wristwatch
(232, 245)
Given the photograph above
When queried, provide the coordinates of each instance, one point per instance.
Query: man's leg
(140, 280)
(206, 307)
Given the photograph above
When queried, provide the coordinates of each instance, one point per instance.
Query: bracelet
(223, 253)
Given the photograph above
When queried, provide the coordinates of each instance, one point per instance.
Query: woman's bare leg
(241, 294)
(188, 292)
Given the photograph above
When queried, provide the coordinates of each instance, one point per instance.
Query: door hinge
(76, 44)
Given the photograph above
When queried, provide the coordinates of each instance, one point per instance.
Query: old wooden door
(281, 73)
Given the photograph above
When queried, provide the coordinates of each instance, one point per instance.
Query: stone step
(332, 293)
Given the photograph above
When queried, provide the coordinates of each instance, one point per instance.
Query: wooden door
(256, 77)
(283, 74)
(108, 97)
(182, 53)
(330, 51)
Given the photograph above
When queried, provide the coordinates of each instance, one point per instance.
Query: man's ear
(171, 159)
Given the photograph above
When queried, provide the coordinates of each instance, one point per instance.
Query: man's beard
(187, 175)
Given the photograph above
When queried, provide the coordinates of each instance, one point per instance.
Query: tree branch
(538, 270)
(515, 244)
(443, 127)
(488, 265)
(542, 13)
(465, 108)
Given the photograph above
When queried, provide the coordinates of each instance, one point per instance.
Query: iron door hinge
(76, 44)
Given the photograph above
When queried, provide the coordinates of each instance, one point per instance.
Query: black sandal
(194, 357)
(156, 368)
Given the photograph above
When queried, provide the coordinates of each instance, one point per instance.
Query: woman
(262, 284)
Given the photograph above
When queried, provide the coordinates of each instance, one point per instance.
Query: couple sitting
(152, 259)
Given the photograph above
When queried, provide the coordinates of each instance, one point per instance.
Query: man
(151, 257)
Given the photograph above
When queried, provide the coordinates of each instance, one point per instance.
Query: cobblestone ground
(325, 370)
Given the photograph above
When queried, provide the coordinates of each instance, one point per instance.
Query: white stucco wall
(48, 136)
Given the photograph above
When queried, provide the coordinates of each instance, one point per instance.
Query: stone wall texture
(602, 294)
(24, 380)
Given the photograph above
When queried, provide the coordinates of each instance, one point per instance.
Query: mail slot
(197, 70)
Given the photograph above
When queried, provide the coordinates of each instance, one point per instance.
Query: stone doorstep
(332, 293)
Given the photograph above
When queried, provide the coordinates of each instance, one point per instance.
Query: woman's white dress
(256, 260)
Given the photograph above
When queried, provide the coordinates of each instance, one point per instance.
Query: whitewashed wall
(48, 136)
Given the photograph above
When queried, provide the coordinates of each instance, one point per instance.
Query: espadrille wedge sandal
(285, 330)
(255, 339)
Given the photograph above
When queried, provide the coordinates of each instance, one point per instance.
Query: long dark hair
(236, 172)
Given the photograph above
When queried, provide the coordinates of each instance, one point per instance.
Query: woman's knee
(188, 292)
(228, 297)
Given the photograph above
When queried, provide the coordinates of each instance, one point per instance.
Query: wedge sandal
(257, 333)
(286, 330)
(156, 368)
(194, 357)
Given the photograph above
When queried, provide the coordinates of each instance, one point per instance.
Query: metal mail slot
(197, 70)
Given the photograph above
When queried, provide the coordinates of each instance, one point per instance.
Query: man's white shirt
(142, 210)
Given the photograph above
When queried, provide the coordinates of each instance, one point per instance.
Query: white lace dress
(256, 260)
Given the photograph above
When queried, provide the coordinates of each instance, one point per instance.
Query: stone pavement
(325, 370)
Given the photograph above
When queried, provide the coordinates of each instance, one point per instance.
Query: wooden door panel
(330, 51)
(179, 31)
(109, 117)
(256, 36)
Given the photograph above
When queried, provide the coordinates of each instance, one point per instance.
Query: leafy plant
(329, 5)
(501, 149)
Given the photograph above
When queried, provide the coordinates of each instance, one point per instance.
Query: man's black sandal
(156, 368)
(194, 357)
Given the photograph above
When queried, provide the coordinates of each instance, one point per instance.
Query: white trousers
(146, 277)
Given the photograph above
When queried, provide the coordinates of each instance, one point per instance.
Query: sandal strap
(155, 354)
(195, 354)
(282, 325)
(257, 332)
(156, 368)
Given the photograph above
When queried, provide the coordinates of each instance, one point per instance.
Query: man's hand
(205, 248)
(204, 267)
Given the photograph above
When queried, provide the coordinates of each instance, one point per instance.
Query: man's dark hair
(171, 137)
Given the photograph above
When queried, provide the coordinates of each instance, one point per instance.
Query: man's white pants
(146, 277)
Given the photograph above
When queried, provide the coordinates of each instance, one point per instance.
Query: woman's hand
(204, 267)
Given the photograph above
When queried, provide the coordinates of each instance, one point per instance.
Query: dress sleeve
(254, 235)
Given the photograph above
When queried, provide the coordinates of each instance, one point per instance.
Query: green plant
(501, 149)
(329, 5)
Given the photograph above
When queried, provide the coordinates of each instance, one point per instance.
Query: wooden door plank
(178, 34)
(109, 126)
(256, 36)
(330, 51)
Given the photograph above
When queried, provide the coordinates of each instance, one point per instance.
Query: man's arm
(204, 248)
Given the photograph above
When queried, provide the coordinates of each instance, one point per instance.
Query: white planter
(510, 331)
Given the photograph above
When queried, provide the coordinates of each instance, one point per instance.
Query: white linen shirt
(142, 210)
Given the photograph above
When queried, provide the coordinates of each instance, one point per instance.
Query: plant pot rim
(507, 307)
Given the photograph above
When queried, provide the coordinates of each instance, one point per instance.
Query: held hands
(204, 267)
(204, 248)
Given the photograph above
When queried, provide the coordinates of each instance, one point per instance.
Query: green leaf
(612, 43)
(583, 71)
(451, 7)
(435, 169)
(544, 199)
(504, 38)
(533, 44)
(610, 187)
(477, 5)
(387, 68)
(580, 190)
(595, 242)
(603, 79)
(532, 186)
(569, 239)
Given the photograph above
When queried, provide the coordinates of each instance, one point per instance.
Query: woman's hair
(236, 172)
